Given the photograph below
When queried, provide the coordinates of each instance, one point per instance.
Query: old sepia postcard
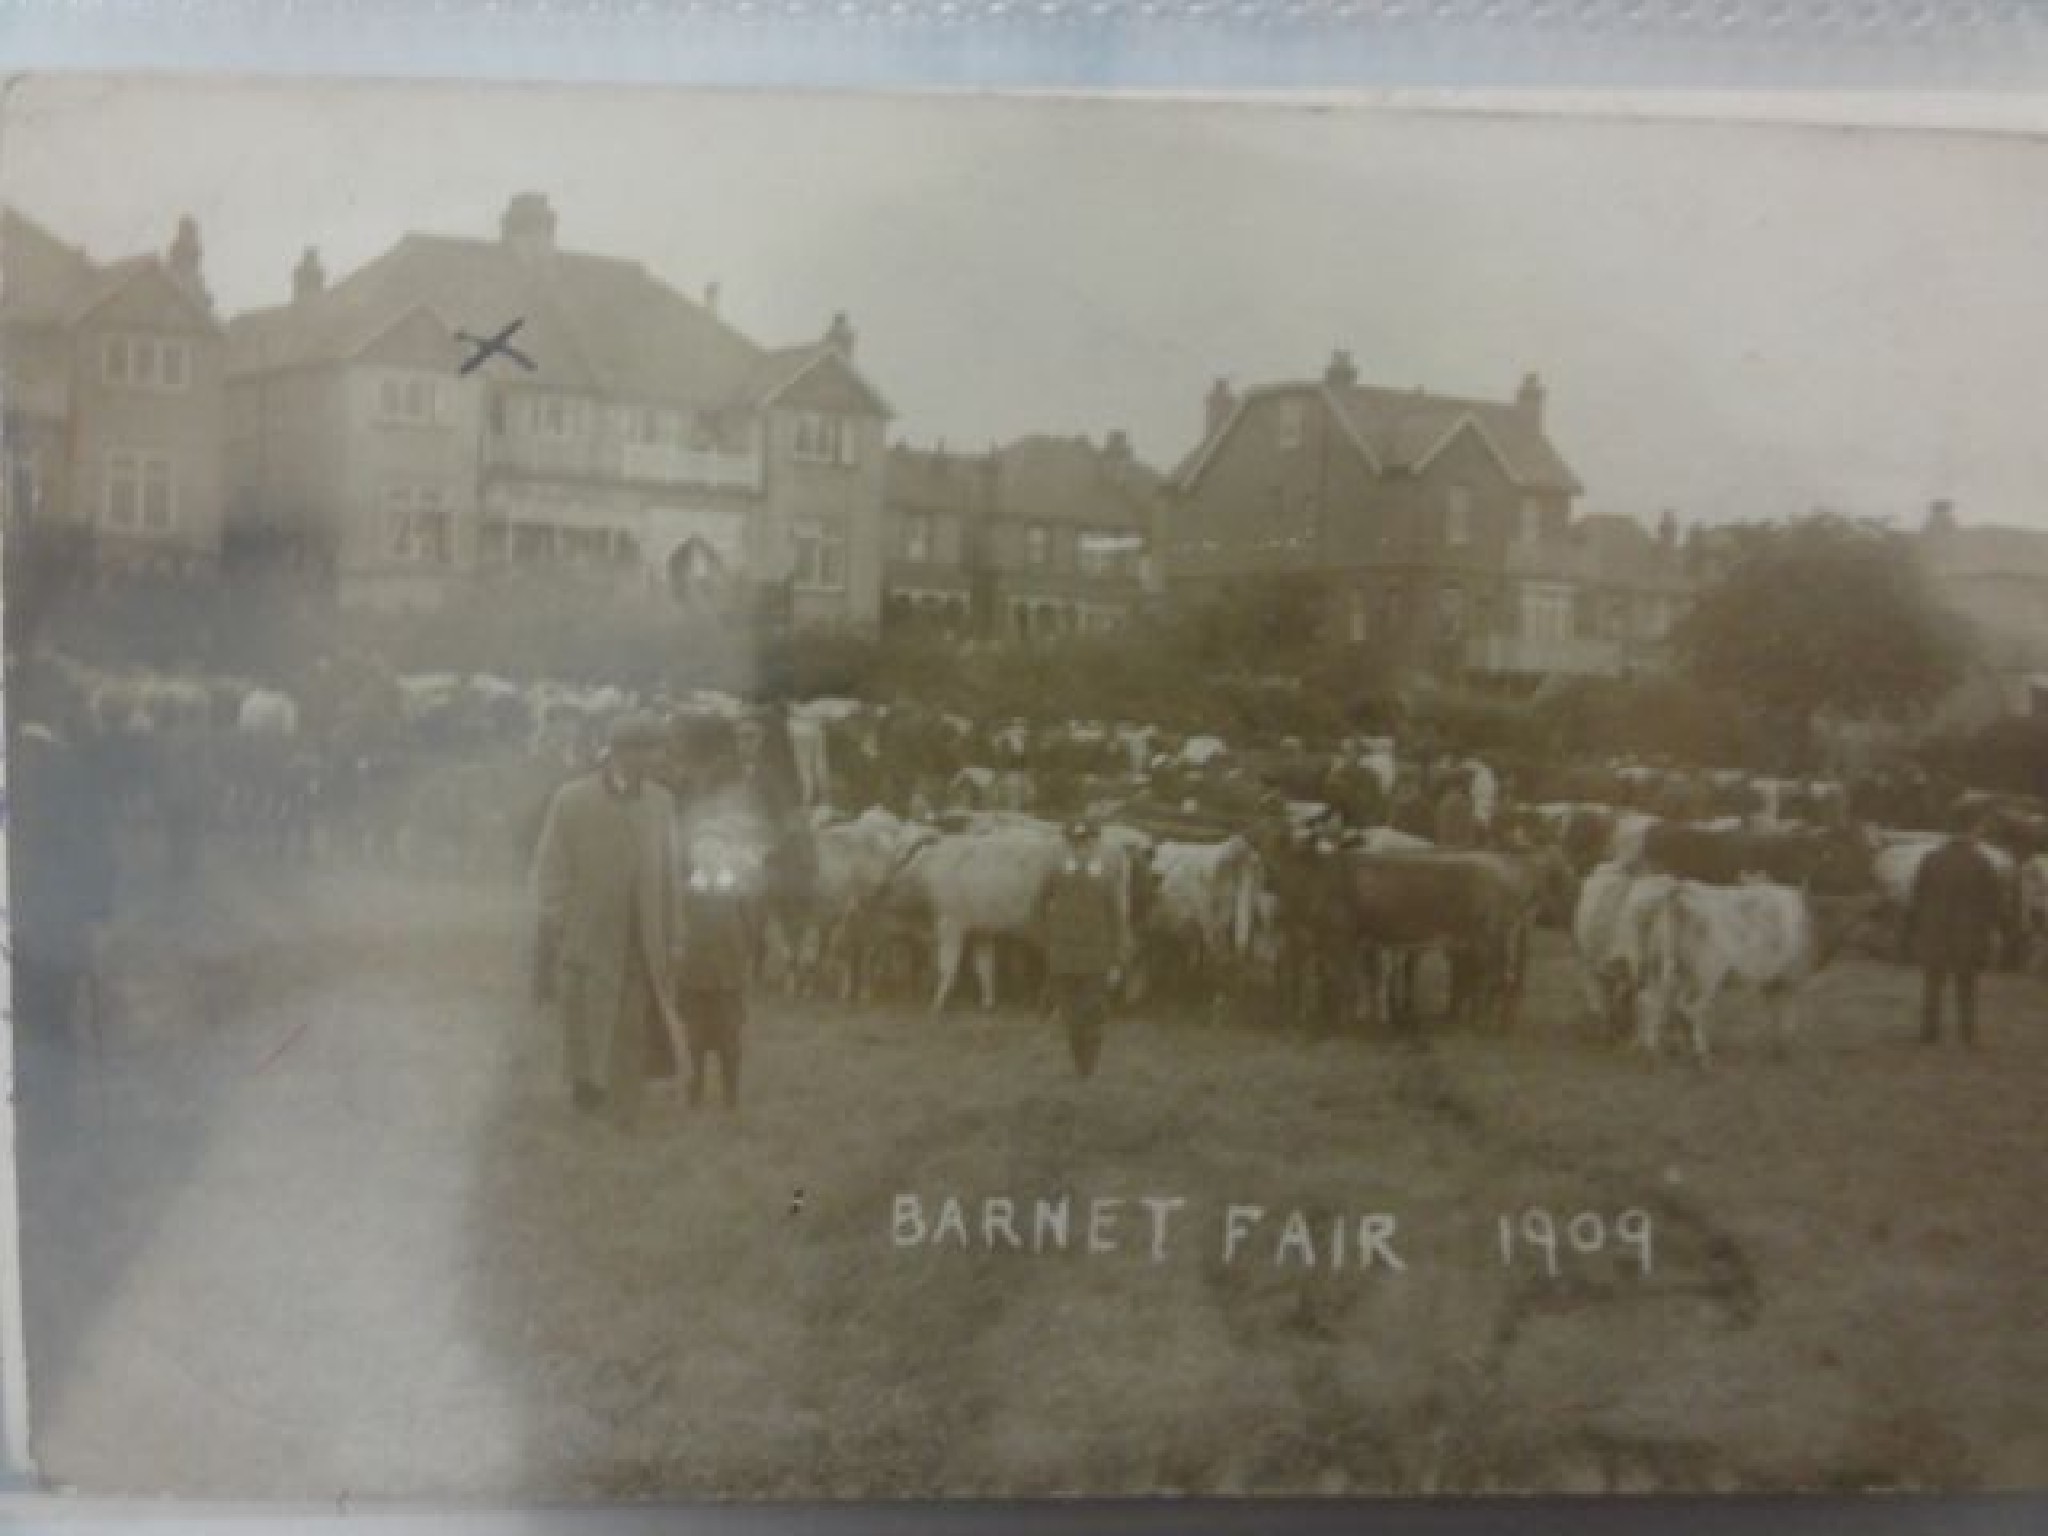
(764, 796)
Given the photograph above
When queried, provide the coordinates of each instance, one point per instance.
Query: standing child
(713, 959)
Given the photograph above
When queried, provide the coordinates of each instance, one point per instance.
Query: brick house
(1044, 536)
(651, 447)
(113, 385)
(1438, 530)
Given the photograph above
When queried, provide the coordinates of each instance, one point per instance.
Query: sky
(1733, 319)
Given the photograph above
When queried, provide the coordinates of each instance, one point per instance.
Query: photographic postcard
(767, 796)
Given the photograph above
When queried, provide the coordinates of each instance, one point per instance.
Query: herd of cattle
(1307, 883)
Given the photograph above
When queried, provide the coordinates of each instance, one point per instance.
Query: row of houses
(630, 437)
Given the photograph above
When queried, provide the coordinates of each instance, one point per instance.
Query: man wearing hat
(604, 877)
(1082, 922)
(1957, 906)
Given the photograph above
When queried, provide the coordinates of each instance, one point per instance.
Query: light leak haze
(1734, 320)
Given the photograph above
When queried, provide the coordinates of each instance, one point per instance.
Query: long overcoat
(1958, 906)
(604, 874)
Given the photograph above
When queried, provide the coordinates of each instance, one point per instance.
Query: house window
(1357, 617)
(556, 417)
(917, 537)
(1530, 527)
(823, 438)
(820, 556)
(140, 495)
(408, 399)
(1546, 613)
(651, 425)
(418, 528)
(1038, 545)
(1450, 610)
(1457, 515)
(147, 362)
(1290, 419)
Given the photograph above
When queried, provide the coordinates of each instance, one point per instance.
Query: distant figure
(713, 958)
(1457, 823)
(1957, 905)
(1082, 923)
(604, 877)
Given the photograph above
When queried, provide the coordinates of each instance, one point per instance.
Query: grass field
(310, 1215)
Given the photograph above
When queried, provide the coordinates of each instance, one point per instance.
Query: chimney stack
(1220, 406)
(1529, 399)
(309, 278)
(1116, 447)
(1941, 516)
(183, 261)
(839, 336)
(528, 227)
(1667, 529)
(1342, 372)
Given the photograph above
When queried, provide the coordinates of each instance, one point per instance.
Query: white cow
(1704, 937)
(983, 886)
(1631, 828)
(1388, 840)
(1207, 901)
(855, 859)
(267, 712)
(1611, 930)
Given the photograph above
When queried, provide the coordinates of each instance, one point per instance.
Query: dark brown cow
(1836, 859)
(1474, 906)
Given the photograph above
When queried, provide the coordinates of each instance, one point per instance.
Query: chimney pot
(711, 292)
(1341, 372)
(1222, 402)
(528, 227)
(309, 278)
(1531, 396)
(840, 336)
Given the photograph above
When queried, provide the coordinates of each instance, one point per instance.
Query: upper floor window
(1450, 610)
(557, 417)
(1107, 552)
(1529, 528)
(1290, 423)
(1458, 515)
(820, 549)
(140, 496)
(824, 438)
(411, 399)
(1356, 617)
(147, 362)
(419, 529)
(1038, 545)
(655, 425)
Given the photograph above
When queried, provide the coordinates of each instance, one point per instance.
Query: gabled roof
(782, 369)
(1403, 430)
(44, 281)
(593, 324)
(1071, 480)
(933, 480)
(1040, 478)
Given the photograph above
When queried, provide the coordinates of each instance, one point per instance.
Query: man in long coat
(1957, 906)
(605, 878)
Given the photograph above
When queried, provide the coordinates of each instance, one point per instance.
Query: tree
(1825, 612)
